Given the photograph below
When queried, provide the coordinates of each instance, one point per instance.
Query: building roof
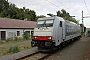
(14, 23)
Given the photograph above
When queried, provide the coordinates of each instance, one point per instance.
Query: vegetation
(9, 39)
(26, 36)
(22, 45)
(1, 42)
(14, 49)
(41, 16)
(10, 10)
(65, 15)
(18, 38)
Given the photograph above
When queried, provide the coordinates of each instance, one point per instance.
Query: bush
(14, 49)
(26, 35)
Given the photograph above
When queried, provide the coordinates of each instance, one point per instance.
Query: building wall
(11, 33)
(87, 33)
(0, 35)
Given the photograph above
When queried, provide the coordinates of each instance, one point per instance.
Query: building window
(18, 33)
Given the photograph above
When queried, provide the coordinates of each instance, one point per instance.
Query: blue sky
(43, 7)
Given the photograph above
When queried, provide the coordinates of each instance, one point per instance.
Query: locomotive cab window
(44, 23)
(60, 23)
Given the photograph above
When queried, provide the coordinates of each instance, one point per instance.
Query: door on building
(3, 35)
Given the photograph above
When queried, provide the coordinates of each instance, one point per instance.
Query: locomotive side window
(60, 23)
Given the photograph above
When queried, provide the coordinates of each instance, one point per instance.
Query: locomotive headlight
(50, 37)
(43, 29)
(35, 37)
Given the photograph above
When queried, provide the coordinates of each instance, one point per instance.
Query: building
(87, 33)
(10, 28)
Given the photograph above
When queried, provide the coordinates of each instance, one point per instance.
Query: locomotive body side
(59, 30)
(72, 30)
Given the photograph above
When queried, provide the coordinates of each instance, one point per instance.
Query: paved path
(74, 52)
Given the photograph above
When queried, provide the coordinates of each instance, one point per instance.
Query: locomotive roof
(70, 22)
(50, 18)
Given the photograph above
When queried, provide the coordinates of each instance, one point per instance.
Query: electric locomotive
(54, 31)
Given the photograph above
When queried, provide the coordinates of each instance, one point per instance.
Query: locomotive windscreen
(44, 23)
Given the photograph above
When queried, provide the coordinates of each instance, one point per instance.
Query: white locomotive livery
(54, 31)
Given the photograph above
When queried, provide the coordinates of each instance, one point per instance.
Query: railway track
(36, 56)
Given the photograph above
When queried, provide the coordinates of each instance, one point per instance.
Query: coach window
(60, 23)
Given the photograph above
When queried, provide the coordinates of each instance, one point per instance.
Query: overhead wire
(53, 4)
(86, 7)
(59, 2)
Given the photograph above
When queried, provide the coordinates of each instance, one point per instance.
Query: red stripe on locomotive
(42, 37)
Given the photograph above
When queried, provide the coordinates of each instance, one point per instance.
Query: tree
(41, 16)
(10, 10)
(4, 5)
(59, 14)
(65, 15)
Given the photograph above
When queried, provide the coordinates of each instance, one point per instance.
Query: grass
(22, 45)
(16, 39)
(1, 42)
(9, 40)
(3, 50)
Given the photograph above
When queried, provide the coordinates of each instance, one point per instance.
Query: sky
(43, 7)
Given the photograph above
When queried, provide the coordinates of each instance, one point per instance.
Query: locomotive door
(60, 33)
